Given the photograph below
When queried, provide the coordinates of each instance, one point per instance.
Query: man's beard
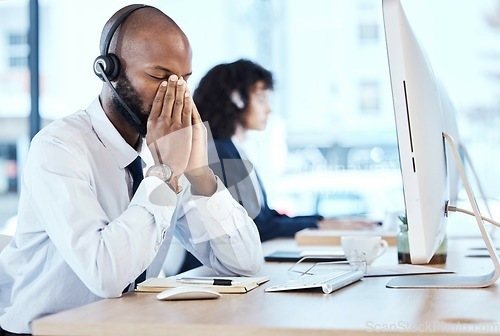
(131, 98)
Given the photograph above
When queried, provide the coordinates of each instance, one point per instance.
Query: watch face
(163, 172)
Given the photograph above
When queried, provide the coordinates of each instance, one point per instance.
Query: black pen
(209, 281)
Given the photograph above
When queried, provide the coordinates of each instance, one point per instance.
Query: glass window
(369, 97)
(15, 105)
(18, 50)
(368, 31)
(330, 145)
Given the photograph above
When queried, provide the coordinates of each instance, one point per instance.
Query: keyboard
(328, 282)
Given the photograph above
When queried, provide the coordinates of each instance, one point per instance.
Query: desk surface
(363, 307)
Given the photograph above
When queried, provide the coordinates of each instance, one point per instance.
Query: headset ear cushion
(111, 65)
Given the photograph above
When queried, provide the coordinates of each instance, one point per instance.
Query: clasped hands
(177, 137)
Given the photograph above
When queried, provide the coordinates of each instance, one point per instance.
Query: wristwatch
(162, 171)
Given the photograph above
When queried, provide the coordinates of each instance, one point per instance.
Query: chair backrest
(4, 240)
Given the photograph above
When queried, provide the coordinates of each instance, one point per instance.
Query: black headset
(110, 65)
(107, 65)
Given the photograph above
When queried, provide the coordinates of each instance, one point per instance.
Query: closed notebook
(241, 284)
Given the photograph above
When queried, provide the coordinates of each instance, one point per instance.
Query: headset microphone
(107, 65)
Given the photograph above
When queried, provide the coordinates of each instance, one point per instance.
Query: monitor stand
(452, 280)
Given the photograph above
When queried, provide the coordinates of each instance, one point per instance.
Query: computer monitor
(423, 118)
(419, 125)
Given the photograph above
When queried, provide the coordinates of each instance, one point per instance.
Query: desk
(364, 307)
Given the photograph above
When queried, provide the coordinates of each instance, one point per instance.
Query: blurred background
(330, 145)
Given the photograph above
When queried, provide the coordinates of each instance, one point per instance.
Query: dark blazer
(227, 164)
(234, 172)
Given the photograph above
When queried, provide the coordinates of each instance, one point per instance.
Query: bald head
(145, 47)
(142, 34)
(141, 22)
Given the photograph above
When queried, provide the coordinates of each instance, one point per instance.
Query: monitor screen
(417, 101)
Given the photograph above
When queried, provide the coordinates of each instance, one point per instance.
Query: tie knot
(135, 169)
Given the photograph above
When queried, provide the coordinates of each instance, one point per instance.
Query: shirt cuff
(222, 214)
(158, 199)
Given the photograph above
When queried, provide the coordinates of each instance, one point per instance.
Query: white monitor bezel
(419, 125)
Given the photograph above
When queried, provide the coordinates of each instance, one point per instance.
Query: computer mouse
(187, 293)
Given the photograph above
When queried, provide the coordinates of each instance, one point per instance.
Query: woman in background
(234, 98)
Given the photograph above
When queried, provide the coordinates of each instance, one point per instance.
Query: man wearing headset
(90, 226)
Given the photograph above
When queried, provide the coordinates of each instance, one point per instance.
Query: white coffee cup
(371, 246)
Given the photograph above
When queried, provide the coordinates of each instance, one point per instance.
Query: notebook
(241, 284)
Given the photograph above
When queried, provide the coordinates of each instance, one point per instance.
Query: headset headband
(114, 27)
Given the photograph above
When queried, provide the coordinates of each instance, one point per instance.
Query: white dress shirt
(79, 236)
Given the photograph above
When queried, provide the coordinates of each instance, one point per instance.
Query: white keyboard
(328, 282)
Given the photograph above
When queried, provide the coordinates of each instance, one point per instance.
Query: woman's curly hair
(213, 96)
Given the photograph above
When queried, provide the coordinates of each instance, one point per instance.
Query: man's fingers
(158, 101)
(179, 102)
(169, 98)
(187, 109)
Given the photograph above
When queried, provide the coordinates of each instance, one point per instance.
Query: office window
(330, 141)
(18, 50)
(8, 167)
(14, 105)
(368, 31)
(367, 4)
(16, 39)
(369, 97)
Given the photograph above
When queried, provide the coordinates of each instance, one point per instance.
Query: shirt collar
(109, 136)
(239, 146)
